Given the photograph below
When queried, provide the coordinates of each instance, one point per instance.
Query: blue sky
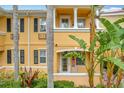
(43, 7)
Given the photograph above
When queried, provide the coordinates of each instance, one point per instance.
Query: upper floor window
(9, 57)
(42, 24)
(21, 24)
(22, 56)
(81, 23)
(35, 24)
(42, 56)
(8, 25)
(64, 22)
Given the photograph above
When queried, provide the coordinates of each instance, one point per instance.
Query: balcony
(72, 18)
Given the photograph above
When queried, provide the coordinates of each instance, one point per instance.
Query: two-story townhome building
(67, 20)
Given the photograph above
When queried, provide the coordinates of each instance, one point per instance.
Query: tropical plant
(110, 42)
(50, 45)
(27, 77)
(73, 55)
(89, 66)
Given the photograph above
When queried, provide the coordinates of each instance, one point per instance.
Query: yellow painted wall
(61, 41)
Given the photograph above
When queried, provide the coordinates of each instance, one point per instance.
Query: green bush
(100, 86)
(40, 83)
(63, 84)
(9, 83)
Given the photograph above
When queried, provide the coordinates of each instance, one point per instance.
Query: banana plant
(73, 55)
(111, 41)
(89, 67)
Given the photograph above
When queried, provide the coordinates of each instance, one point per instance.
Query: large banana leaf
(115, 61)
(121, 20)
(111, 29)
(81, 42)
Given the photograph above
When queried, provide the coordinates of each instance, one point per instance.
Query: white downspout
(28, 41)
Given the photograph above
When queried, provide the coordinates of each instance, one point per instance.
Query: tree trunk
(50, 45)
(15, 39)
(92, 35)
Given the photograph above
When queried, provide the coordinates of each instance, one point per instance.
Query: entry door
(65, 66)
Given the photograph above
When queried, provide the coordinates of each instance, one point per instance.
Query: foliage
(27, 77)
(100, 86)
(40, 83)
(9, 83)
(63, 84)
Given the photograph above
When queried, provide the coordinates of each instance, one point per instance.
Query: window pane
(9, 57)
(79, 61)
(64, 64)
(65, 23)
(35, 56)
(22, 25)
(81, 23)
(42, 59)
(35, 24)
(42, 24)
(8, 25)
(43, 53)
(22, 56)
(42, 56)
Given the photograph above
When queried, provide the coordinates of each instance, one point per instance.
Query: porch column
(75, 18)
(54, 18)
(97, 20)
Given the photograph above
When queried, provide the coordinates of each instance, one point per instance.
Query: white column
(54, 18)
(75, 18)
(97, 20)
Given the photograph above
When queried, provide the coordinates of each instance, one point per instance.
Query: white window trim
(84, 21)
(64, 16)
(19, 24)
(39, 24)
(40, 56)
(68, 65)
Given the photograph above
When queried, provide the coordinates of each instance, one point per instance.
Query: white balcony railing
(75, 30)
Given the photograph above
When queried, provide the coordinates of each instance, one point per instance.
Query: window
(79, 61)
(81, 23)
(9, 57)
(43, 56)
(64, 22)
(21, 24)
(8, 25)
(22, 56)
(35, 24)
(35, 56)
(42, 24)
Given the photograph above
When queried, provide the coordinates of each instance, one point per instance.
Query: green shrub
(9, 83)
(39, 83)
(100, 86)
(63, 84)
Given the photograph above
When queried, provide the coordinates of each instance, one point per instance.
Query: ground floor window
(79, 61)
(42, 56)
(22, 56)
(9, 57)
(35, 56)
